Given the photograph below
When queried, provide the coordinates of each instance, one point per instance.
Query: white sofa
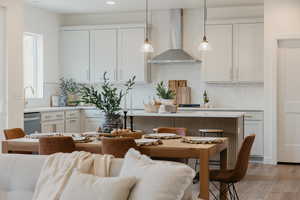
(19, 174)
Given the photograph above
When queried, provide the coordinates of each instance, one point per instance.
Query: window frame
(38, 62)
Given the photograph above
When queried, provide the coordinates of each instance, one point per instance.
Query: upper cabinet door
(131, 61)
(103, 54)
(75, 55)
(218, 65)
(250, 52)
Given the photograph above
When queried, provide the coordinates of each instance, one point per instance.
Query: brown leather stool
(117, 147)
(51, 145)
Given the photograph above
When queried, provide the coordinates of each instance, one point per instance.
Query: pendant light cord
(205, 16)
(147, 31)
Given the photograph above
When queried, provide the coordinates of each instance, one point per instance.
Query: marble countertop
(204, 114)
(224, 110)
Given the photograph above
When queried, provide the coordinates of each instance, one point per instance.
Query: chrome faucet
(32, 92)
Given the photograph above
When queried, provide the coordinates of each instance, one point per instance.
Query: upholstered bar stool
(211, 132)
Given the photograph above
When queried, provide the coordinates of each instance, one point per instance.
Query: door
(92, 124)
(131, 59)
(75, 55)
(249, 52)
(3, 103)
(103, 54)
(72, 126)
(218, 64)
(53, 127)
(289, 101)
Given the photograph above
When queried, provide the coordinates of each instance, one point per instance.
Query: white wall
(281, 20)
(13, 62)
(47, 24)
(221, 96)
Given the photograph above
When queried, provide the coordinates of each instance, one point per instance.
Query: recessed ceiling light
(110, 2)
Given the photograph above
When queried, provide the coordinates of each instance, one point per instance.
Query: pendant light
(204, 46)
(147, 46)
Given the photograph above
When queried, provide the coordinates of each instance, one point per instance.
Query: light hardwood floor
(269, 182)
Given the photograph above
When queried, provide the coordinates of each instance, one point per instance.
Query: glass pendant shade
(147, 47)
(204, 45)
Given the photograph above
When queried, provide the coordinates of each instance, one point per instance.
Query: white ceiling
(93, 6)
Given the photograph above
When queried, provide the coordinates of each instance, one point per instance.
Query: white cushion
(156, 180)
(85, 186)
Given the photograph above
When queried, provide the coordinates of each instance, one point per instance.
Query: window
(33, 65)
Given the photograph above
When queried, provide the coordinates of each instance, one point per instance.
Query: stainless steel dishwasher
(32, 123)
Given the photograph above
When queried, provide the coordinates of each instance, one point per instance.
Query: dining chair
(233, 176)
(178, 131)
(14, 133)
(59, 144)
(117, 147)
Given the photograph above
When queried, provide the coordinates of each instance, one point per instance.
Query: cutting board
(183, 95)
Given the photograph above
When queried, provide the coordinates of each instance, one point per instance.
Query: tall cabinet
(88, 53)
(237, 54)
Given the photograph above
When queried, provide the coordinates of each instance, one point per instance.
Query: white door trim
(274, 103)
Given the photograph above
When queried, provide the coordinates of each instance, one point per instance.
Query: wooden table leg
(204, 175)
(131, 123)
(223, 165)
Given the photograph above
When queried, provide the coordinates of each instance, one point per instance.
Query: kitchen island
(231, 122)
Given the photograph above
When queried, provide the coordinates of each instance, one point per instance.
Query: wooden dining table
(173, 148)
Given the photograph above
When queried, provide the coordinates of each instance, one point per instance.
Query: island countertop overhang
(193, 114)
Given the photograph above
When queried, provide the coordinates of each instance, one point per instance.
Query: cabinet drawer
(72, 114)
(92, 113)
(254, 116)
(51, 116)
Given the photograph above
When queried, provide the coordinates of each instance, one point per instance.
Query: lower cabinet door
(72, 126)
(53, 127)
(92, 124)
(256, 127)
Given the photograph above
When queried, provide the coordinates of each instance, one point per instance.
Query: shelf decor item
(165, 94)
(70, 90)
(108, 100)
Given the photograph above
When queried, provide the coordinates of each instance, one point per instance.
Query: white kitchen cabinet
(237, 54)
(249, 52)
(103, 54)
(75, 55)
(218, 63)
(254, 125)
(131, 60)
(72, 126)
(53, 126)
(72, 122)
(92, 124)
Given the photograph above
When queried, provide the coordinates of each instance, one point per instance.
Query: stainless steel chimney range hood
(175, 54)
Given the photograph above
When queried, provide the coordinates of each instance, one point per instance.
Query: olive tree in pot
(108, 100)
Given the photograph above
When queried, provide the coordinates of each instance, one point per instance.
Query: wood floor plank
(267, 182)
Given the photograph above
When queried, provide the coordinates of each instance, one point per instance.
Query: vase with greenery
(108, 100)
(164, 93)
(70, 89)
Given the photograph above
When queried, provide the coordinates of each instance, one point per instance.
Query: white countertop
(206, 114)
(53, 109)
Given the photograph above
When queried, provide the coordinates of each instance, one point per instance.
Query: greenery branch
(163, 92)
(108, 98)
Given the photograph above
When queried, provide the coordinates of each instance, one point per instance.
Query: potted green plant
(165, 94)
(70, 89)
(108, 100)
